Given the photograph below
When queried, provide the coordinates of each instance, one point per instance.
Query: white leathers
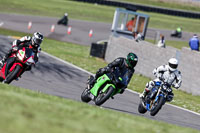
(167, 73)
(171, 77)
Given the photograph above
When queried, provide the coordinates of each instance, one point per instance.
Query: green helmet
(131, 60)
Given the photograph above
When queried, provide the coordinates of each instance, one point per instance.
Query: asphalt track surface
(55, 77)
(79, 29)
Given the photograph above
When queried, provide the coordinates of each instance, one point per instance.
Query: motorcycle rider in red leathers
(26, 41)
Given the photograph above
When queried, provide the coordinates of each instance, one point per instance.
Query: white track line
(65, 62)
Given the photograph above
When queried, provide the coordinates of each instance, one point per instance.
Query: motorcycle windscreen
(121, 77)
(100, 81)
(29, 52)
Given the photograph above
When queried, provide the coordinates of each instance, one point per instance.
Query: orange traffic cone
(29, 25)
(91, 33)
(53, 28)
(69, 30)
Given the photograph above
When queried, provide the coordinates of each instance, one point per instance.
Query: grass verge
(79, 55)
(175, 44)
(25, 111)
(92, 12)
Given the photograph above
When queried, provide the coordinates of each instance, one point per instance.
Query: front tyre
(85, 96)
(158, 106)
(103, 96)
(12, 75)
(141, 108)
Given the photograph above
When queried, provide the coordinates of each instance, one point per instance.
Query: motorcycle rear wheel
(103, 96)
(12, 75)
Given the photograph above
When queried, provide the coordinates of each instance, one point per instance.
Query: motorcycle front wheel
(141, 108)
(103, 96)
(85, 96)
(158, 106)
(12, 75)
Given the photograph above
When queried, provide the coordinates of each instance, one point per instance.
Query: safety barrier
(132, 6)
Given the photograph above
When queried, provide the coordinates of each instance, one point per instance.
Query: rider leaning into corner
(26, 41)
(167, 73)
(126, 67)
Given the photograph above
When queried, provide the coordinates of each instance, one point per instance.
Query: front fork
(151, 102)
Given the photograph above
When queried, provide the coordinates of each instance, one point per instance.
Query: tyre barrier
(98, 50)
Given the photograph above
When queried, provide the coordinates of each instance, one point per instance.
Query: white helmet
(37, 39)
(66, 14)
(173, 64)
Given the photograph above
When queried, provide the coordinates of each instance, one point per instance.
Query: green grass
(79, 55)
(175, 44)
(167, 4)
(171, 22)
(26, 111)
(57, 8)
(92, 12)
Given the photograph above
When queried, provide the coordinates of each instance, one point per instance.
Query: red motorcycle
(16, 64)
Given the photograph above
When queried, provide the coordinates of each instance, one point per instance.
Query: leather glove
(154, 72)
(160, 76)
(176, 86)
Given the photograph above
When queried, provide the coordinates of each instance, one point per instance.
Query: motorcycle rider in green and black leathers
(125, 65)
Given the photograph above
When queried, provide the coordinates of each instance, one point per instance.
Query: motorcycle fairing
(100, 81)
(2, 71)
(21, 55)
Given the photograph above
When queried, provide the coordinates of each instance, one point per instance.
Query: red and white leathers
(25, 41)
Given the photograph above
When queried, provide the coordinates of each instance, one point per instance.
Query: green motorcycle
(105, 87)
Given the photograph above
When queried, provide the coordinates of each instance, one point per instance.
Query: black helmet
(37, 39)
(131, 60)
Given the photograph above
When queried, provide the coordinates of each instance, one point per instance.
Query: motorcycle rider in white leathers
(167, 73)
